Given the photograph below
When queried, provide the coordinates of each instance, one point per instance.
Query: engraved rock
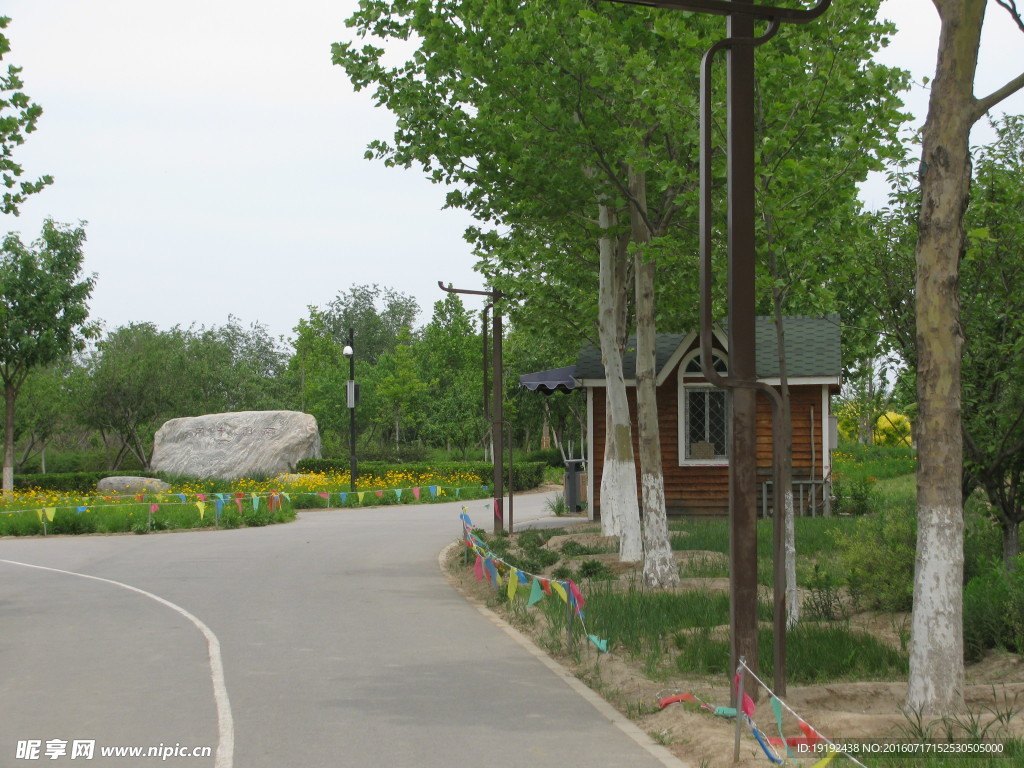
(232, 445)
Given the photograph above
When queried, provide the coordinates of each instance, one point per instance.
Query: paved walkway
(330, 641)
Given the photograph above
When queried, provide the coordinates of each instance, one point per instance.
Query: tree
(18, 117)
(43, 313)
(137, 377)
(993, 323)
(400, 393)
(378, 315)
(936, 681)
(450, 363)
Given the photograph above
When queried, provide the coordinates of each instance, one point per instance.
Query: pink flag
(478, 568)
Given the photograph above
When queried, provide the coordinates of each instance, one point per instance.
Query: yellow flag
(39, 514)
(513, 584)
(201, 506)
(557, 586)
(825, 760)
(50, 512)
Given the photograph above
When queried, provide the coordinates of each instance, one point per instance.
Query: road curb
(616, 718)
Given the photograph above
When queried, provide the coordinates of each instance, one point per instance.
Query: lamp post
(496, 414)
(352, 396)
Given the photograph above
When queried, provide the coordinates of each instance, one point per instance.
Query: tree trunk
(10, 394)
(936, 683)
(660, 568)
(1011, 545)
(620, 513)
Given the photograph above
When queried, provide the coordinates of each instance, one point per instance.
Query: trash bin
(573, 470)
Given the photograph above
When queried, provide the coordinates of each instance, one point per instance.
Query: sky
(218, 156)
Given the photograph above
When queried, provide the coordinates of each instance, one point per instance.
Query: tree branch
(1011, 8)
(981, 106)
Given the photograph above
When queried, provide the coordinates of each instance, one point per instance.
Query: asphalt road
(331, 641)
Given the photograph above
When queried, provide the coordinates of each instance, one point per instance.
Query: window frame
(689, 382)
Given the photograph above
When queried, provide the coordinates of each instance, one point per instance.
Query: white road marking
(225, 756)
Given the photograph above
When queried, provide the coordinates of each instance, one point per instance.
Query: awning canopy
(555, 380)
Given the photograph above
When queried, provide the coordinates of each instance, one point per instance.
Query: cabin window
(703, 413)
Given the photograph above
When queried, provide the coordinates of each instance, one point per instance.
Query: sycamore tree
(43, 312)
(936, 682)
(18, 117)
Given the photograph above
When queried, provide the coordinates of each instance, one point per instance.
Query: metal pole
(497, 416)
(741, 293)
(353, 469)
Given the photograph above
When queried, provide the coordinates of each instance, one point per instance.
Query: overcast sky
(217, 155)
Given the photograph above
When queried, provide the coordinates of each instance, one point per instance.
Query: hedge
(525, 475)
(68, 482)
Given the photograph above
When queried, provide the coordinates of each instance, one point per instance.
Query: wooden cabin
(694, 416)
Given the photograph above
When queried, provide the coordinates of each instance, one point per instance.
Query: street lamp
(352, 393)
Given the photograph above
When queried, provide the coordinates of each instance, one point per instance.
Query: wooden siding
(704, 490)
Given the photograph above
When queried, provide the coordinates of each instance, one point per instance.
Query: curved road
(330, 641)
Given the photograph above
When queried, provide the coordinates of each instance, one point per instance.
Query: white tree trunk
(618, 479)
(792, 593)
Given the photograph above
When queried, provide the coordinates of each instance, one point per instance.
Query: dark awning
(555, 380)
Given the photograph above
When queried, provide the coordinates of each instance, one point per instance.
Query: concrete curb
(616, 718)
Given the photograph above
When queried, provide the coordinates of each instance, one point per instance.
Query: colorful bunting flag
(560, 591)
(433, 491)
(478, 568)
(416, 493)
(536, 593)
(201, 506)
(602, 644)
(513, 584)
(49, 512)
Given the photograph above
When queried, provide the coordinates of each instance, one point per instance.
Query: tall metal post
(497, 411)
(741, 293)
(351, 396)
(742, 378)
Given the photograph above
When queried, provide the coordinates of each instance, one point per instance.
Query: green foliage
(888, 536)
(994, 610)
(18, 117)
(824, 601)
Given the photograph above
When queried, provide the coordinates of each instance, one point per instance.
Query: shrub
(525, 475)
(986, 606)
(887, 537)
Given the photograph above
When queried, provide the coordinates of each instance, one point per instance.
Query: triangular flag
(433, 491)
(602, 644)
(478, 568)
(360, 496)
(201, 506)
(560, 591)
(464, 518)
(50, 512)
(522, 578)
(457, 492)
(220, 506)
(39, 514)
(576, 594)
(344, 497)
(323, 495)
(182, 497)
(546, 586)
(513, 584)
(398, 493)
(153, 508)
(536, 593)
(825, 760)
(255, 502)
(380, 494)
(80, 510)
(416, 492)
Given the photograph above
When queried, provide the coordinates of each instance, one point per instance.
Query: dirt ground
(861, 710)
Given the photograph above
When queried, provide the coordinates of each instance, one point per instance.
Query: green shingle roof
(812, 350)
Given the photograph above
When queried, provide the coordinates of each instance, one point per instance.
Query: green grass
(815, 653)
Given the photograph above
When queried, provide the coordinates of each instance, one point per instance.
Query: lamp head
(347, 351)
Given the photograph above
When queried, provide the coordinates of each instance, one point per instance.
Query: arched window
(703, 413)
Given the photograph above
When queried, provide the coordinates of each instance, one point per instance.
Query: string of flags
(504, 575)
(220, 499)
(812, 741)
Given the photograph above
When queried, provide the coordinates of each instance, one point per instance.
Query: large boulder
(232, 445)
(125, 484)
